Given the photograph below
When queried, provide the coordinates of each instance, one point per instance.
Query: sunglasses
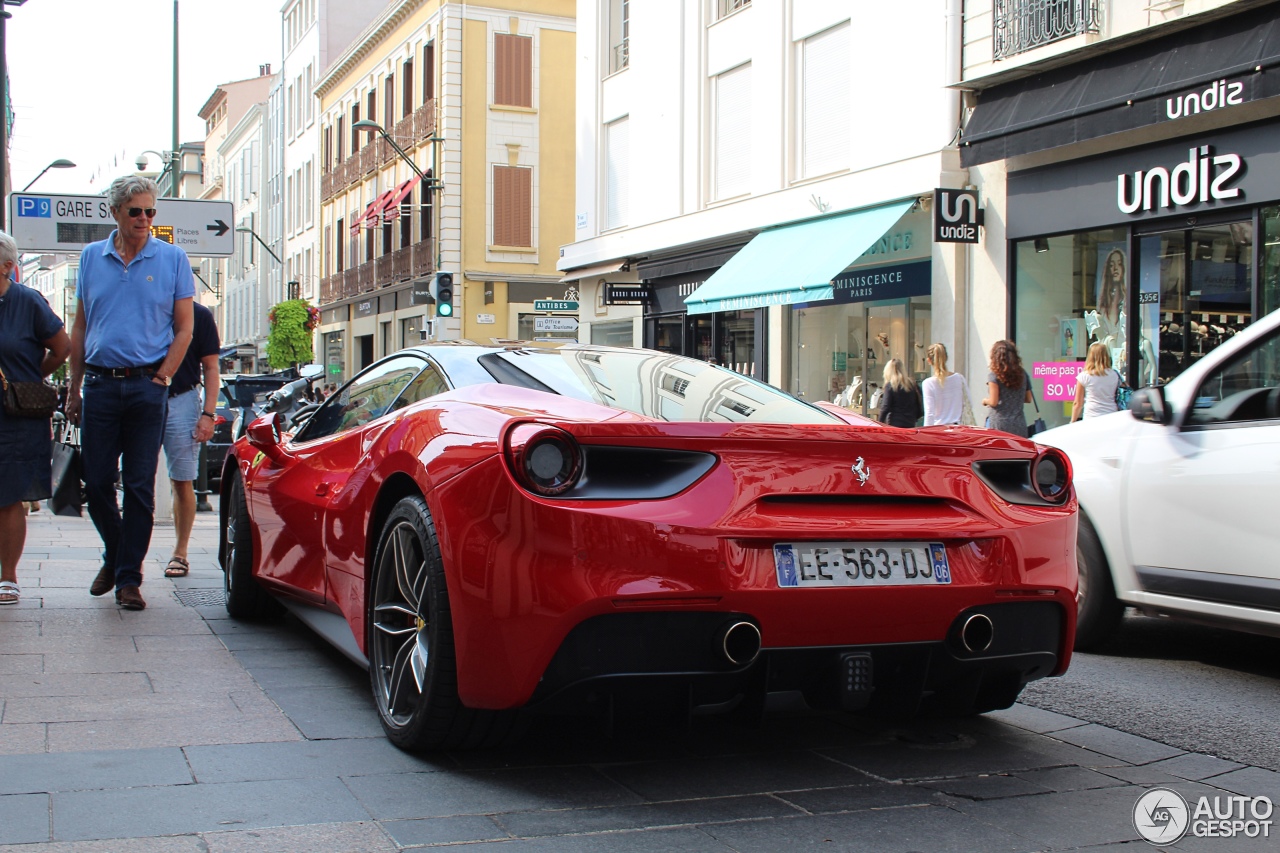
(135, 212)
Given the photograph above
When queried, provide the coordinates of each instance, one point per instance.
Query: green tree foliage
(289, 342)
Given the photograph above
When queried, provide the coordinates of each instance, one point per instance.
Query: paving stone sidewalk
(179, 729)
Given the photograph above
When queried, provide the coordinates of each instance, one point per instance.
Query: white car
(1176, 512)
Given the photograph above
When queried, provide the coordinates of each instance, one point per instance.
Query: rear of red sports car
(758, 565)
(596, 529)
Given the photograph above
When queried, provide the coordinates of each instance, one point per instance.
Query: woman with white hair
(33, 343)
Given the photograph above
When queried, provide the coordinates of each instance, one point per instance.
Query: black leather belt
(123, 372)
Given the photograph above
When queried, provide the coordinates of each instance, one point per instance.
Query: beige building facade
(480, 99)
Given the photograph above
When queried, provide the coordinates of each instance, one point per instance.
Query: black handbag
(29, 399)
(1039, 425)
(67, 497)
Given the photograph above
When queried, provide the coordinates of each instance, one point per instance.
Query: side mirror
(264, 434)
(1148, 404)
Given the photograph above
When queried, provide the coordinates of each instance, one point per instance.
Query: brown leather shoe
(103, 582)
(130, 598)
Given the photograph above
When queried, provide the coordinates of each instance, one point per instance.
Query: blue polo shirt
(128, 311)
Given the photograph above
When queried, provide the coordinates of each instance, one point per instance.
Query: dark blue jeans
(122, 424)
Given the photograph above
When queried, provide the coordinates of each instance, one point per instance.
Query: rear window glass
(658, 385)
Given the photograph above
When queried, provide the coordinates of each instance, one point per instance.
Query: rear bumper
(674, 662)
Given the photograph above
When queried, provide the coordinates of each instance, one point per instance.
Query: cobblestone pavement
(179, 729)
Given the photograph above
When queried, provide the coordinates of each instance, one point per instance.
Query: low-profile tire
(1098, 612)
(245, 598)
(412, 666)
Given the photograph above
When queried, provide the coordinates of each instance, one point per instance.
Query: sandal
(177, 568)
(9, 592)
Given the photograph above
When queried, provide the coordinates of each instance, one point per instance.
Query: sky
(92, 80)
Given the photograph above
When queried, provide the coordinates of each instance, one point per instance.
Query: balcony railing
(365, 276)
(327, 188)
(369, 158)
(1020, 25)
(350, 286)
(424, 120)
(331, 288)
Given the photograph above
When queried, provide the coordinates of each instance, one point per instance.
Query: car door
(1199, 494)
(324, 459)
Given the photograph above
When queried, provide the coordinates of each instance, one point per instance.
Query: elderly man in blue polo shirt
(132, 327)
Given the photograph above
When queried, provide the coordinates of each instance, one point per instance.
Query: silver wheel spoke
(399, 684)
(419, 660)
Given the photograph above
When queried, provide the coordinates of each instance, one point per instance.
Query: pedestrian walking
(33, 343)
(946, 394)
(900, 400)
(192, 414)
(1096, 386)
(1008, 389)
(132, 327)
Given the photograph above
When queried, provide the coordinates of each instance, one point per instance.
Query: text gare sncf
(1202, 178)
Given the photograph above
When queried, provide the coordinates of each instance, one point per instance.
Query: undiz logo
(1202, 178)
(1220, 94)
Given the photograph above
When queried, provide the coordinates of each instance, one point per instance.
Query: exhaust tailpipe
(977, 633)
(739, 642)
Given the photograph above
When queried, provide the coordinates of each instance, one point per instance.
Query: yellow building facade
(481, 99)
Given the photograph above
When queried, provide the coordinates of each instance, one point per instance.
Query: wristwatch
(210, 415)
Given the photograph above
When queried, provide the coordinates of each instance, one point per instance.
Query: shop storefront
(881, 310)
(1156, 230)
(734, 339)
(1160, 252)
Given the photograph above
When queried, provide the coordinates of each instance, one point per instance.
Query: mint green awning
(794, 263)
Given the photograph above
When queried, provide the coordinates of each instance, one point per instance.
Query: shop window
(1271, 260)
(1196, 291)
(1071, 291)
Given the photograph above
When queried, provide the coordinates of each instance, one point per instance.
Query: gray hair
(124, 189)
(8, 248)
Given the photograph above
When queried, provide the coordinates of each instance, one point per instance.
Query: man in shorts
(190, 424)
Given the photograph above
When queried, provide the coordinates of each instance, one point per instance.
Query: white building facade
(245, 302)
(803, 138)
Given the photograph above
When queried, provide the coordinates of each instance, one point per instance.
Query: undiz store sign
(1203, 177)
(1220, 94)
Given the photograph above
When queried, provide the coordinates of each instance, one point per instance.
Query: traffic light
(442, 290)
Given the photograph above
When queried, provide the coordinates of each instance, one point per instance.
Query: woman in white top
(944, 391)
(1096, 386)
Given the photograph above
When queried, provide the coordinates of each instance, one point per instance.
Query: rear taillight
(219, 420)
(545, 460)
(1051, 475)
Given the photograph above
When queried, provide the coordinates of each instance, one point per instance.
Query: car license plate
(818, 564)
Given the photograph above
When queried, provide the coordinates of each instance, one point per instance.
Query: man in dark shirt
(190, 423)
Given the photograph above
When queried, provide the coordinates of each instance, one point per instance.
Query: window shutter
(825, 101)
(617, 173)
(731, 171)
(512, 206)
(512, 70)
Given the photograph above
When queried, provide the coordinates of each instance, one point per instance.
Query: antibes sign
(1203, 177)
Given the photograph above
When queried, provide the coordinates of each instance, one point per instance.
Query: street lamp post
(60, 163)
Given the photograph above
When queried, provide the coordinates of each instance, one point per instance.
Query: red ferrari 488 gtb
(490, 529)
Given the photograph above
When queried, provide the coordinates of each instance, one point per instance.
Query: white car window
(1245, 389)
